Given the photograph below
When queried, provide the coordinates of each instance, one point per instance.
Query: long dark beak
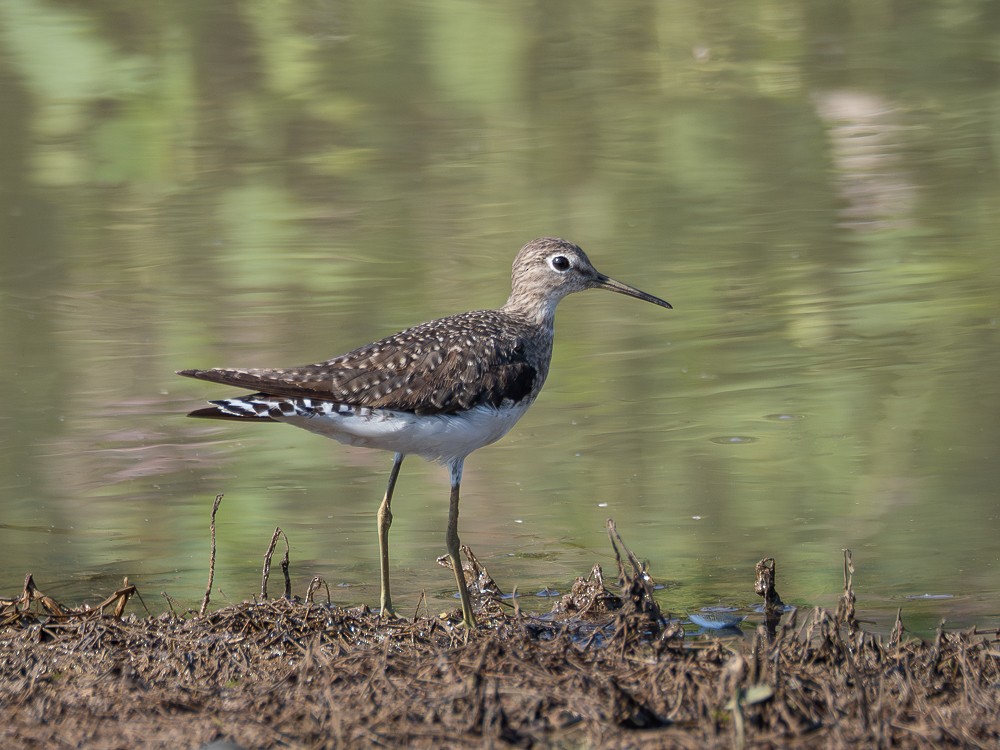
(605, 282)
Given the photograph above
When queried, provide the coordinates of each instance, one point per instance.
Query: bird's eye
(560, 263)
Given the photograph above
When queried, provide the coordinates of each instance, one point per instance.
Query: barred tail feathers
(234, 410)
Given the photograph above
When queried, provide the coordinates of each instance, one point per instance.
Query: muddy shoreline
(605, 669)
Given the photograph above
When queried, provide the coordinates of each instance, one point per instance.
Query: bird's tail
(234, 410)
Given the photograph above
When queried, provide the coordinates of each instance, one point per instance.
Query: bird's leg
(384, 518)
(453, 544)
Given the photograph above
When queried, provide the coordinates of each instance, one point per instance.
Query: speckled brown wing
(440, 367)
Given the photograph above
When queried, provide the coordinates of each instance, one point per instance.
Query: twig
(314, 585)
(845, 614)
(170, 601)
(50, 605)
(421, 600)
(211, 562)
(267, 564)
(637, 567)
(119, 599)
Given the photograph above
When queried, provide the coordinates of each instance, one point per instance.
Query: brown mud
(603, 670)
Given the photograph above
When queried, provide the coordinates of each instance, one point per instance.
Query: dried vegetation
(602, 670)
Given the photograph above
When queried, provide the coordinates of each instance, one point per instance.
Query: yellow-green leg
(451, 540)
(384, 519)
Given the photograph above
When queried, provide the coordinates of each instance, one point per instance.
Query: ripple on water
(784, 417)
(929, 597)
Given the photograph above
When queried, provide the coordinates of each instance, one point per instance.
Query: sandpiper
(439, 390)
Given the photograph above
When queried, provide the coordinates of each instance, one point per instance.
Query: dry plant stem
(421, 600)
(284, 571)
(211, 561)
(170, 602)
(11, 610)
(266, 574)
(314, 585)
(896, 637)
(639, 615)
(120, 599)
(50, 605)
(845, 607)
(615, 536)
(311, 675)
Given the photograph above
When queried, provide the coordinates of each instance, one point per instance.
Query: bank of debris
(604, 669)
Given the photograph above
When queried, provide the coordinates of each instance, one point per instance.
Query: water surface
(254, 184)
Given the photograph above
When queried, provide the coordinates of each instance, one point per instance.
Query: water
(813, 190)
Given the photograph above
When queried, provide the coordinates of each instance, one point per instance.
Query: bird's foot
(386, 611)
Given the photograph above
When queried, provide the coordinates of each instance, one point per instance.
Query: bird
(439, 390)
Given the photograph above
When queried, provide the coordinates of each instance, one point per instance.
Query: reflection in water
(816, 194)
(867, 147)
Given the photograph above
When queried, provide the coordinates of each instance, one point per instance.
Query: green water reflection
(813, 186)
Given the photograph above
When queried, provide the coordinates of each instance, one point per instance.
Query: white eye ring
(560, 263)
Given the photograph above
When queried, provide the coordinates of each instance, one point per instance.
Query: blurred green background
(814, 186)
